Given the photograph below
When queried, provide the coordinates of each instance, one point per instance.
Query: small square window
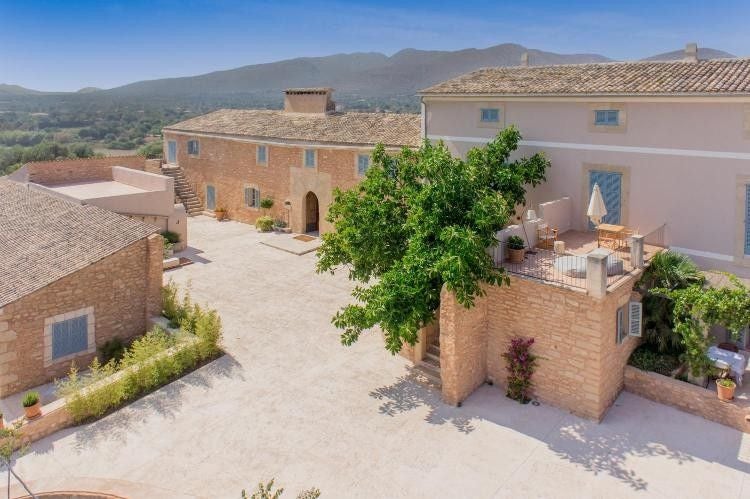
(70, 336)
(490, 115)
(193, 147)
(607, 117)
(262, 155)
(363, 163)
(310, 158)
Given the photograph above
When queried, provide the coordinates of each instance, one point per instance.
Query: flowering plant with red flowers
(520, 364)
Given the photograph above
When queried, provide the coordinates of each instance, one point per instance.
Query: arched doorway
(311, 212)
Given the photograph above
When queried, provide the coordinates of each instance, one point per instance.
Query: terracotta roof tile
(705, 77)
(44, 238)
(391, 129)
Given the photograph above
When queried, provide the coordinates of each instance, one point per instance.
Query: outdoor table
(737, 362)
(611, 230)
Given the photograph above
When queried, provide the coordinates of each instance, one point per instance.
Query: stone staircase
(183, 192)
(429, 367)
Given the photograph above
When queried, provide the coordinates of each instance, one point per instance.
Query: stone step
(428, 375)
(434, 350)
(432, 359)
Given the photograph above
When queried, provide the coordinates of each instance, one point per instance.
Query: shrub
(516, 243)
(112, 349)
(646, 358)
(30, 398)
(170, 236)
(520, 364)
(167, 249)
(170, 303)
(264, 223)
(151, 361)
(279, 223)
(266, 203)
(266, 491)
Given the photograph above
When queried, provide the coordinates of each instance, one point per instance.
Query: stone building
(233, 158)
(73, 277)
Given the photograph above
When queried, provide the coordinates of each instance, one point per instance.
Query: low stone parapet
(688, 398)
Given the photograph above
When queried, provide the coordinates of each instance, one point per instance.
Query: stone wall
(230, 166)
(77, 170)
(686, 397)
(122, 291)
(581, 364)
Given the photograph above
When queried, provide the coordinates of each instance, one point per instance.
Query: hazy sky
(68, 44)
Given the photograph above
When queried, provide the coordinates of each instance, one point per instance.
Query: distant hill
(365, 74)
(703, 53)
(87, 90)
(6, 89)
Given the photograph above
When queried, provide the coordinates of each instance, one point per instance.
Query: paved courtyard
(288, 401)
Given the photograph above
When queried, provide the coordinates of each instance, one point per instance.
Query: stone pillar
(463, 347)
(636, 251)
(596, 273)
(154, 272)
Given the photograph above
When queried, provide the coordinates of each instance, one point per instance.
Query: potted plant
(220, 213)
(266, 204)
(264, 223)
(725, 389)
(516, 250)
(280, 226)
(32, 405)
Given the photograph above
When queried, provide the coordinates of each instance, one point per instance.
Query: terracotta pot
(726, 393)
(516, 255)
(33, 411)
(220, 215)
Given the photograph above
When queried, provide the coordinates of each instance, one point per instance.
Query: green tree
(152, 149)
(418, 221)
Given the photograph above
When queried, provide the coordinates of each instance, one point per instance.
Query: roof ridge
(615, 63)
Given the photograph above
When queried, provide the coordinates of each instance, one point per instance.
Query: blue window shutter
(171, 151)
(609, 117)
(747, 219)
(261, 154)
(490, 115)
(310, 158)
(363, 162)
(70, 337)
(210, 197)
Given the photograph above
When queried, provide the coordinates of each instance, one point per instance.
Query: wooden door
(311, 212)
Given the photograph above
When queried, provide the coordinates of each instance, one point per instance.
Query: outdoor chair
(546, 236)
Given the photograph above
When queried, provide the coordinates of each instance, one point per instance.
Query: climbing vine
(696, 309)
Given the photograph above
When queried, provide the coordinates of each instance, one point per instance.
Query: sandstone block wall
(581, 365)
(230, 166)
(123, 290)
(686, 397)
(78, 170)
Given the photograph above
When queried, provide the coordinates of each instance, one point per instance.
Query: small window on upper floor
(363, 163)
(193, 147)
(607, 117)
(261, 155)
(310, 158)
(489, 115)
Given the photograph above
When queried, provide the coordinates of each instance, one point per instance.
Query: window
(193, 147)
(310, 159)
(171, 152)
(747, 219)
(261, 156)
(363, 163)
(622, 329)
(252, 197)
(70, 336)
(490, 115)
(607, 117)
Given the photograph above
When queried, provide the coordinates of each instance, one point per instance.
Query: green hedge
(646, 359)
(151, 361)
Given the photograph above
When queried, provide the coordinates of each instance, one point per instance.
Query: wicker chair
(546, 236)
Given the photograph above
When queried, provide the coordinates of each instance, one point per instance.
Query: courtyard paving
(288, 401)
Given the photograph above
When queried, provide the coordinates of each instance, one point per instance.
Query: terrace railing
(545, 265)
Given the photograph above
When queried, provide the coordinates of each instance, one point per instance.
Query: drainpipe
(423, 109)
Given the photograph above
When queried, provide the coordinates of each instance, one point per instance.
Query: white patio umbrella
(597, 210)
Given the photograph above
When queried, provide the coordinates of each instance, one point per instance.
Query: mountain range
(364, 75)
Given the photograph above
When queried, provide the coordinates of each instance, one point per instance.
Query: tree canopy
(418, 221)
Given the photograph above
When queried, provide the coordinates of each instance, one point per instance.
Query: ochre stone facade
(122, 290)
(689, 398)
(230, 166)
(580, 366)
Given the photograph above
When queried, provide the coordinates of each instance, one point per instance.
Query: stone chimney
(691, 52)
(525, 59)
(308, 100)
